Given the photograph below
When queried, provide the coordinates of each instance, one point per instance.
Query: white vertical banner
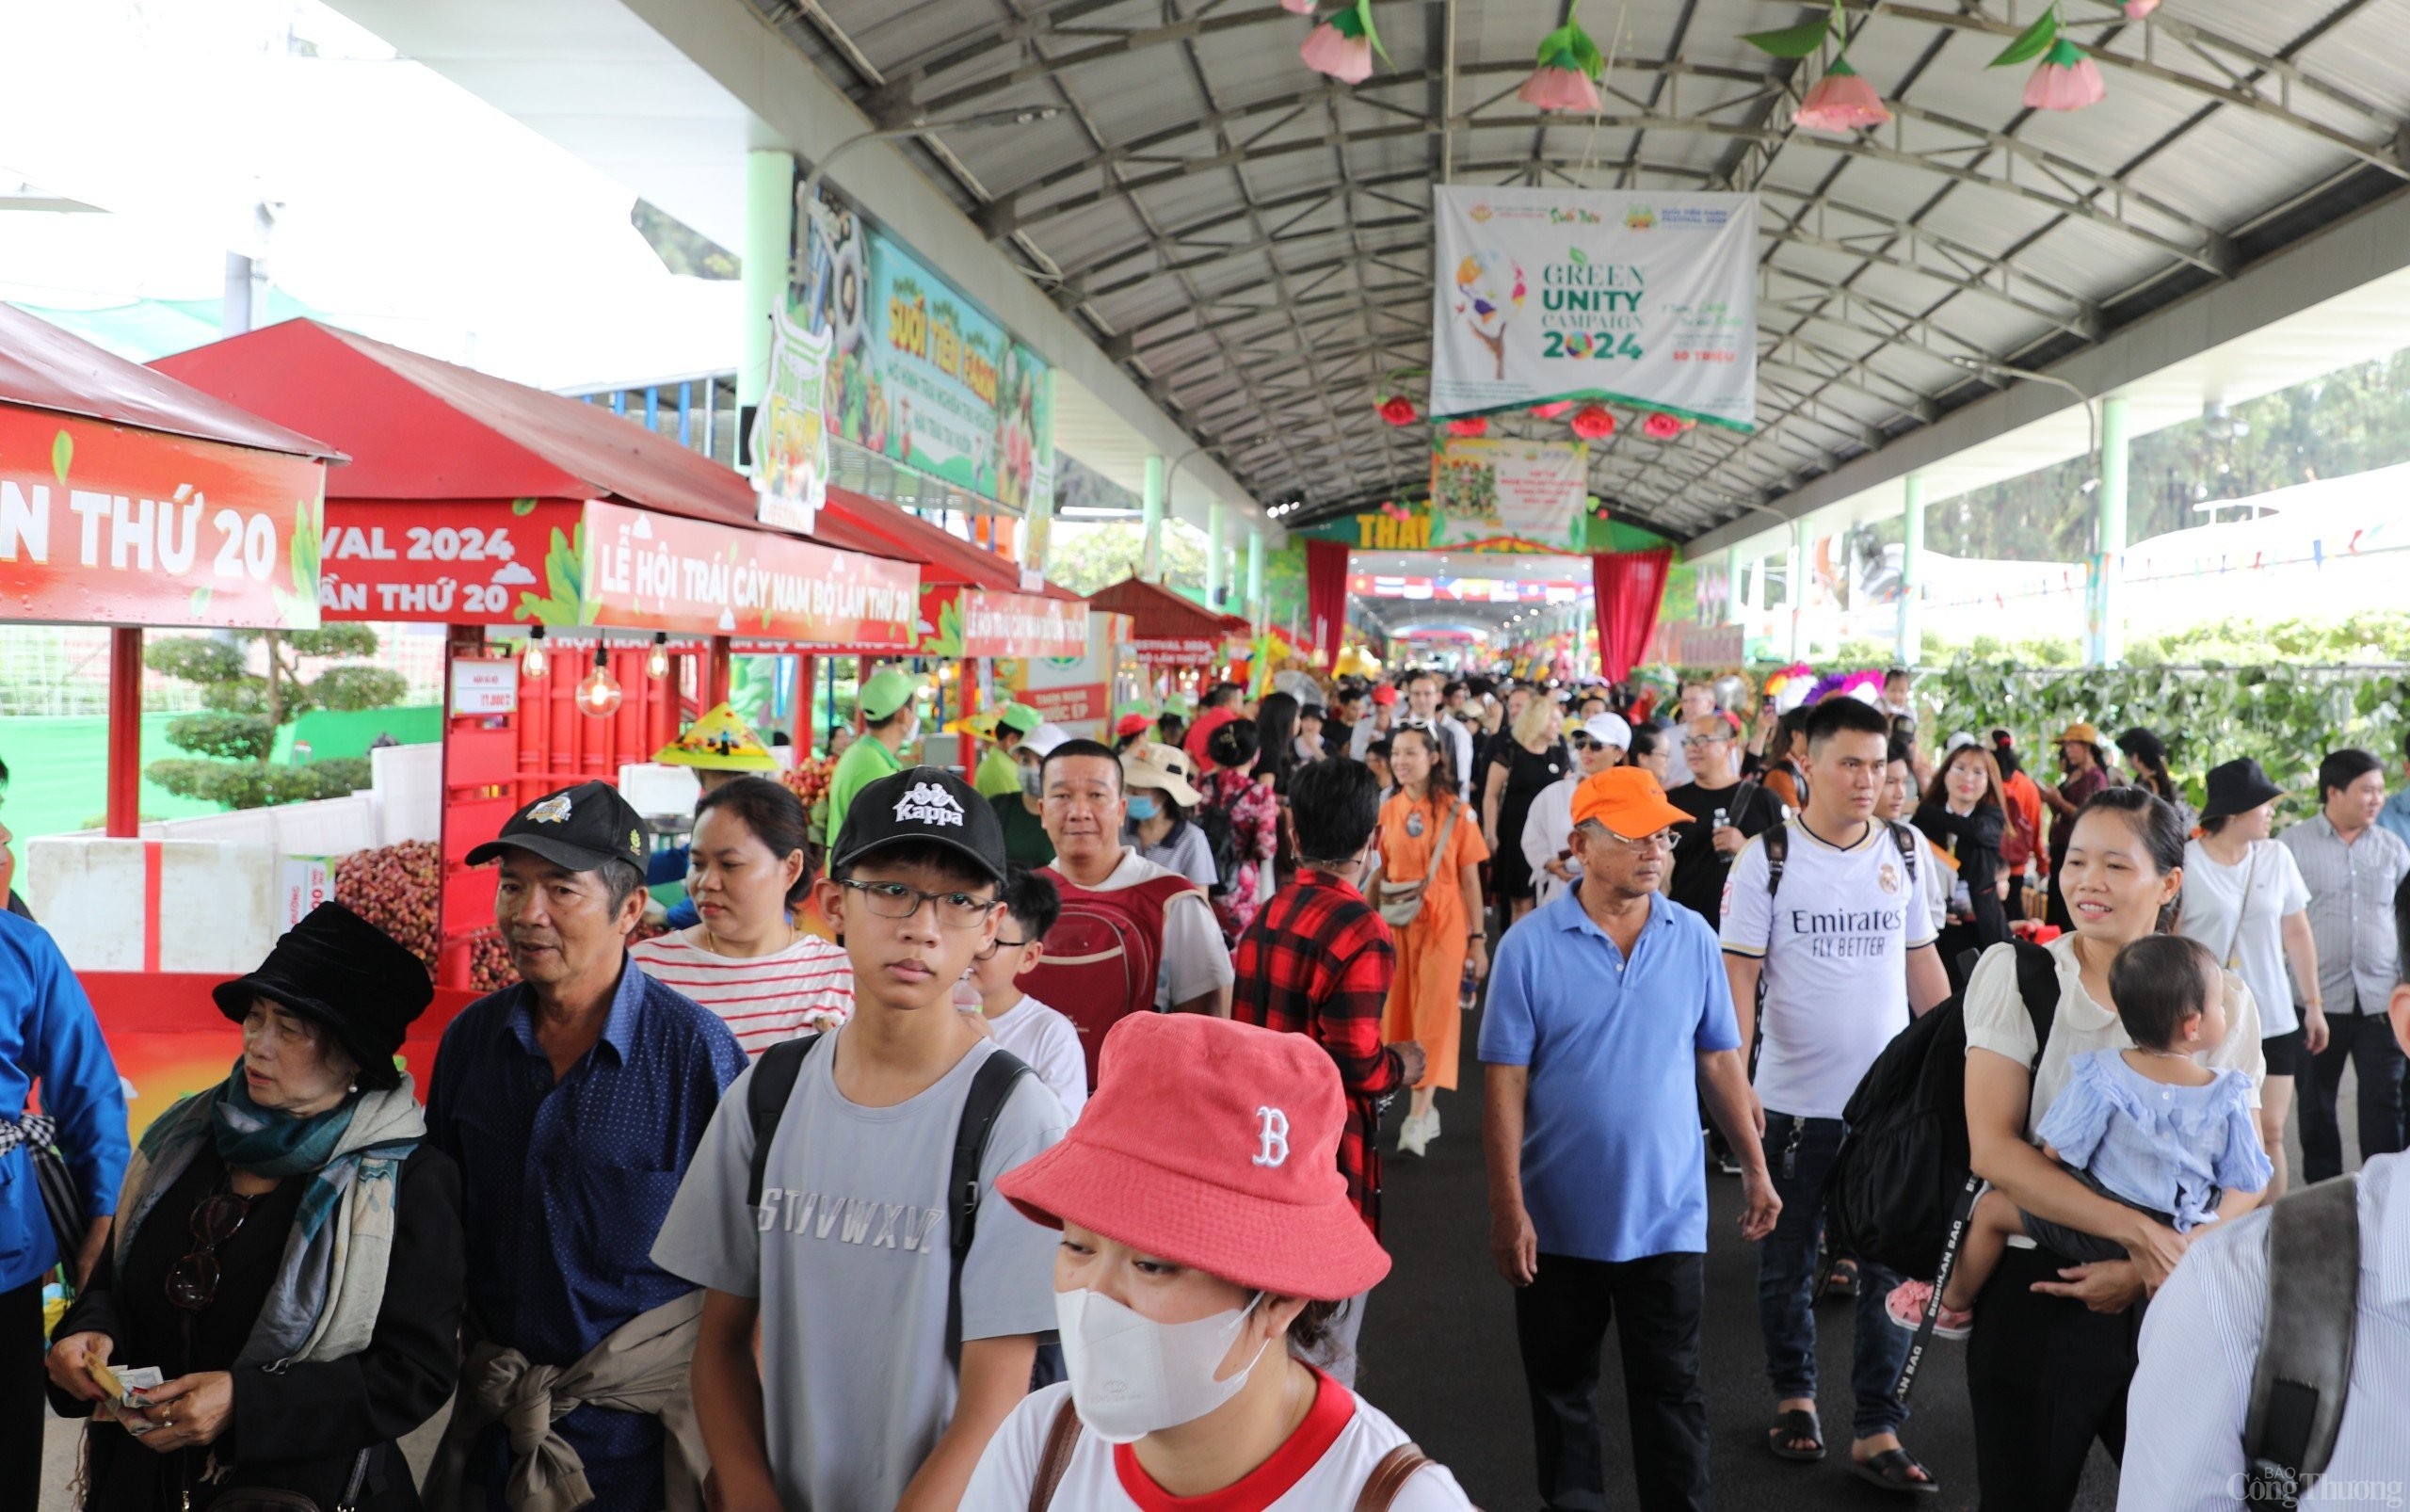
(1625, 296)
(790, 436)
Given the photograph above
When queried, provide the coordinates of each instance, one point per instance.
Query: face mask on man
(1033, 780)
(1131, 1375)
(1142, 807)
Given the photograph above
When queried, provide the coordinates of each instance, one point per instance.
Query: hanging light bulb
(656, 662)
(598, 695)
(532, 661)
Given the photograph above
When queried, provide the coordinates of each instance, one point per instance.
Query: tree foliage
(1084, 556)
(230, 744)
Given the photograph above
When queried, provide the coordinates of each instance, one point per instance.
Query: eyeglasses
(900, 900)
(192, 1283)
(1661, 839)
(1690, 741)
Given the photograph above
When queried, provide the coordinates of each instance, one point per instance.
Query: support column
(1795, 588)
(1150, 525)
(1257, 610)
(715, 681)
(125, 732)
(2109, 540)
(1214, 554)
(769, 242)
(1912, 575)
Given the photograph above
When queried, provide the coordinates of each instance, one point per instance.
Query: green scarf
(252, 1138)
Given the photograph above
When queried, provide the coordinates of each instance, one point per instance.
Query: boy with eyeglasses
(888, 1353)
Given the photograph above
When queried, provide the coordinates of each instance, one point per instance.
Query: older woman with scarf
(287, 1254)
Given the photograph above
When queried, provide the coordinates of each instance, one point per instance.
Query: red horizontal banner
(479, 562)
(1178, 651)
(108, 524)
(960, 622)
(651, 572)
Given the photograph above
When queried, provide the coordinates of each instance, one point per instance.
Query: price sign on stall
(106, 525)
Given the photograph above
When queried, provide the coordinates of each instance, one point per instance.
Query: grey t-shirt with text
(848, 1257)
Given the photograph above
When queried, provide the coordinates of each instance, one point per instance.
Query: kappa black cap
(922, 803)
(579, 827)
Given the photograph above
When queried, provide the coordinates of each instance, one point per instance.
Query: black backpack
(773, 1087)
(1901, 1189)
(1222, 840)
(2303, 1377)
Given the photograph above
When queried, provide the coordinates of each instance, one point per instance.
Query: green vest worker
(1007, 727)
(887, 710)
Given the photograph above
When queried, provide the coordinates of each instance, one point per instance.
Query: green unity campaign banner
(1623, 295)
(921, 375)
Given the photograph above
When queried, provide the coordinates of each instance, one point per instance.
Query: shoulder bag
(1401, 903)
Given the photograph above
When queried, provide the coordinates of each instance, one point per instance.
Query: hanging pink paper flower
(1551, 409)
(1298, 7)
(1344, 44)
(1842, 101)
(1566, 72)
(2137, 10)
(2066, 80)
(1660, 425)
(1398, 410)
(1593, 422)
(1469, 428)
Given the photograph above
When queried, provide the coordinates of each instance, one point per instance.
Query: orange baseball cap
(1627, 801)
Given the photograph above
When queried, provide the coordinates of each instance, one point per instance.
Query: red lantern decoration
(1476, 425)
(1660, 427)
(1398, 410)
(1593, 422)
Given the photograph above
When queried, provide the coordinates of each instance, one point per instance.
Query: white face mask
(1131, 1375)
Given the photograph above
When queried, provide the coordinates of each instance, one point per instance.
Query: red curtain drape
(1631, 587)
(1326, 599)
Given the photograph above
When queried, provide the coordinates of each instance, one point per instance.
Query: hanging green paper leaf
(2032, 42)
(62, 448)
(1791, 41)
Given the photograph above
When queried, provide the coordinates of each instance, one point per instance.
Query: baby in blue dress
(2149, 1127)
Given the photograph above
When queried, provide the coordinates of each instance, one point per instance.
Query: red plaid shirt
(1317, 960)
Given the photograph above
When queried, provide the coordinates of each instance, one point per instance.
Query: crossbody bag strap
(2304, 1371)
(1054, 1461)
(1440, 844)
(1390, 1476)
(2242, 908)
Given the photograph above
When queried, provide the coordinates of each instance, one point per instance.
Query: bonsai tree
(230, 742)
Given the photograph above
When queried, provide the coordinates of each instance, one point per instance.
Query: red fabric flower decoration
(1549, 411)
(1398, 410)
(1593, 422)
(1660, 427)
(1473, 427)
(1842, 101)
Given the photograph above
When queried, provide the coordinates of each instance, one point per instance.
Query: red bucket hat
(1215, 1145)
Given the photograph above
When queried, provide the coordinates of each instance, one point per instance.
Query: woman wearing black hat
(2245, 898)
(287, 1253)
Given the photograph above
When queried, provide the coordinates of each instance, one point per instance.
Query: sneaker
(1412, 1137)
(1431, 1124)
(1907, 1305)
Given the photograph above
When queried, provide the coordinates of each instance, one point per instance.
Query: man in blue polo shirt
(1607, 1007)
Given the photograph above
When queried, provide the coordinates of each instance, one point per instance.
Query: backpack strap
(2037, 983)
(1388, 1477)
(992, 1084)
(2305, 1367)
(765, 1101)
(1054, 1461)
(1777, 843)
(1908, 842)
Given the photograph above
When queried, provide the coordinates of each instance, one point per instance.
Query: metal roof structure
(1251, 240)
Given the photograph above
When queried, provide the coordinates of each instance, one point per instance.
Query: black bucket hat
(2238, 786)
(336, 969)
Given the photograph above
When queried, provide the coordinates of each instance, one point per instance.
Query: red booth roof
(46, 368)
(1159, 614)
(419, 429)
(945, 557)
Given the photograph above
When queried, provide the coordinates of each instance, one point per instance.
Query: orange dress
(1431, 950)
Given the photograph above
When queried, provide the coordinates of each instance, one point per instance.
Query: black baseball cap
(579, 827)
(922, 803)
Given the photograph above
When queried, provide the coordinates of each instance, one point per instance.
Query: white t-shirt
(1322, 1467)
(1547, 830)
(848, 1255)
(1195, 962)
(763, 999)
(1049, 1044)
(1835, 943)
(1997, 1021)
(2213, 901)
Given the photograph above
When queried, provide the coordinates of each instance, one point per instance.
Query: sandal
(1893, 1470)
(1797, 1423)
(1844, 1283)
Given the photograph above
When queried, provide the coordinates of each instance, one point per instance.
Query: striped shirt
(2350, 910)
(763, 999)
(2200, 1341)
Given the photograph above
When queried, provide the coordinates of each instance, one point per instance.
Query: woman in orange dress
(1431, 952)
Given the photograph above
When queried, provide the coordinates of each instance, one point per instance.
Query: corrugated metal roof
(1266, 296)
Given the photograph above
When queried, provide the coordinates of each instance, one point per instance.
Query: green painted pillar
(769, 241)
(1255, 604)
(1151, 504)
(1216, 555)
(2109, 564)
(1912, 575)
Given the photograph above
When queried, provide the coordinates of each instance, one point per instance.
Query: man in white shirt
(1422, 706)
(1842, 939)
(1548, 833)
(2187, 1407)
(1696, 701)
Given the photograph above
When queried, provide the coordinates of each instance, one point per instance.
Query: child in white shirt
(1043, 1038)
